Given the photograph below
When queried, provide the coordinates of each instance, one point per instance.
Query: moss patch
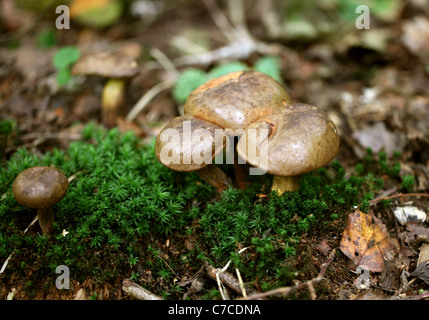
(127, 216)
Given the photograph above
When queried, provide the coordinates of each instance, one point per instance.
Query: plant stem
(215, 176)
(286, 184)
(46, 219)
(113, 98)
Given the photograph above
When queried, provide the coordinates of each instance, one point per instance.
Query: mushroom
(41, 187)
(300, 138)
(234, 101)
(237, 99)
(189, 144)
(118, 69)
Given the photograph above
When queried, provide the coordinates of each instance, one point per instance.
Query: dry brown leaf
(366, 243)
(324, 247)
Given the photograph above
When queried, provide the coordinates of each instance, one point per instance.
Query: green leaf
(188, 81)
(65, 57)
(269, 65)
(63, 76)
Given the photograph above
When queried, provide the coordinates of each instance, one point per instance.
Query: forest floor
(373, 83)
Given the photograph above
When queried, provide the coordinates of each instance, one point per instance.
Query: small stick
(225, 277)
(240, 280)
(51, 135)
(397, 196)
(73, 176)
(137, 292)
(228, 279)
(147, 97)
(220, 20)
(165, 63)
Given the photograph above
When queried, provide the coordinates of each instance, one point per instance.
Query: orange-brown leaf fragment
(367, 243)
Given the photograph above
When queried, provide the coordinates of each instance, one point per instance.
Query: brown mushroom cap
(40, 187)
(302, 138)
(235, 100)
(206, 142)
(108, 65)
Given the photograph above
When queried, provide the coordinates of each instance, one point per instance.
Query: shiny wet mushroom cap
(187, 143)
(300, 139)
(41, 187)
(237, 99)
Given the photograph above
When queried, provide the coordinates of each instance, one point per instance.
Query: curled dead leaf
(367, 243)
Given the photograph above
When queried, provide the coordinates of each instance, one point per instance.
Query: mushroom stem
(46, 219)
(113, 98)
(286, 184)
(215, 176)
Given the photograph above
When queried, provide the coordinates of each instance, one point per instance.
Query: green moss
(408, 183)
(123, 205)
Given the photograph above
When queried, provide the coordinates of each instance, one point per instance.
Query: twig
(137, 292)
(241, 44)
(308, 284)
(73, 176)
(165, 62)
(396, 196)
(237, 15)
(168, 266)
(189, 280)
(51, 135)
(240, 280)
(220, 20)
(173, 74)
(224, 276)
(147, 97)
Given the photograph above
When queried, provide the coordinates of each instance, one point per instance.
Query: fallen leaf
(323, 247)
(422, 272)
(422, 269)
(390, 277)
(424, 254)
(366, 243)
(416, 233)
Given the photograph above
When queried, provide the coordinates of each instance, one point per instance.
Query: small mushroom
(118, 69)
(41, 188)
(189, 144)
(299, 139)
(237, 99)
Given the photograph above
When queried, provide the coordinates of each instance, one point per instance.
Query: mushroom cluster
(275, 136)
